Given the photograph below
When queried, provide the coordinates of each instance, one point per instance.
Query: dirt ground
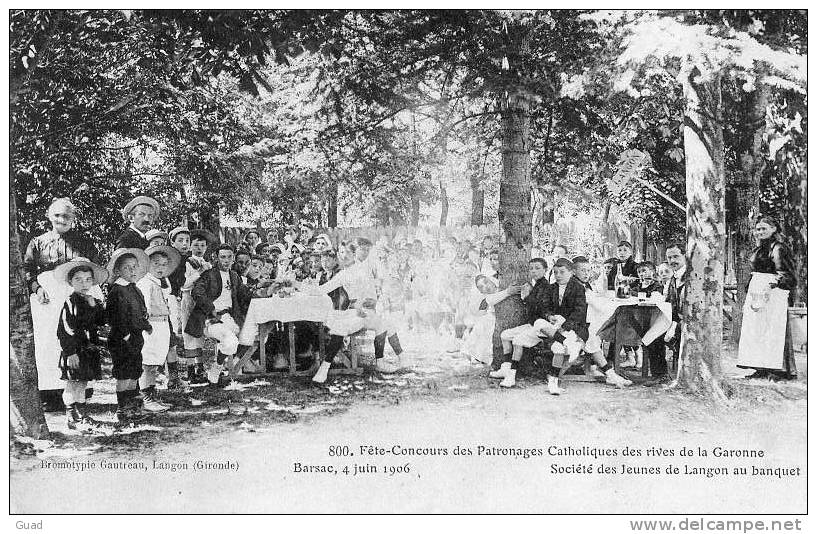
(260, 436)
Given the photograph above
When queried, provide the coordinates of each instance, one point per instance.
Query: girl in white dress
(478, 343)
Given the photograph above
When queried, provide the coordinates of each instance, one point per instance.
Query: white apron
(763, 332)
(45, 318)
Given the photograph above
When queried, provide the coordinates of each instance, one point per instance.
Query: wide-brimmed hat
(138, 253)
(155, 233)
(206, 234)
(62, 271)
(174, 258)
(141, 199)
(178, 230)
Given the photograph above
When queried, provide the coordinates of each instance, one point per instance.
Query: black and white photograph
(409, 261)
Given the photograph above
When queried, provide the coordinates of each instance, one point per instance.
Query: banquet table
(628, 322)
(264, 311)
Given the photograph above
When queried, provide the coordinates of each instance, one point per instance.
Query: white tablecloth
(599, 309)
(299, 307)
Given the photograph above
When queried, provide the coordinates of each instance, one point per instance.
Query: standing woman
(771, 260)
(46, 252)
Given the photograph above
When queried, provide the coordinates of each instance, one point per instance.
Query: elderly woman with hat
(141, 213)
(43, 255)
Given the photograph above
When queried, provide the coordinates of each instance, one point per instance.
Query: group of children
(556, 307)
(169, 291)
(163, 300)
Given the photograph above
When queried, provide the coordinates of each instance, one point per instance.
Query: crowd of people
(161, 294)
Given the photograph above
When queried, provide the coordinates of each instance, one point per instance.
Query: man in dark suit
(220, 302)
(675, 294)
(141, 213)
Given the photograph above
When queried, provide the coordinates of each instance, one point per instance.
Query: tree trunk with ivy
(700, 363)
(515, 219)
(26, 416)
(745, 192)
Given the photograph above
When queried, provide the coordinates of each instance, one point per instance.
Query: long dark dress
(775, 257)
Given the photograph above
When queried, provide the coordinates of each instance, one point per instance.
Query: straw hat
(178, 230)
(137, 201)
(174, 258)
(155, 233)
(138, 253)
(100, 273)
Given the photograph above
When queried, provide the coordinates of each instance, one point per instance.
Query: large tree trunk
(210, 220)
(415, 207)
(25, 409)
(745, 192)
(443, 204)
(700, 368)
(477, 202)
(514, 216)
(332, 210)
(477, 193)
(382, 213)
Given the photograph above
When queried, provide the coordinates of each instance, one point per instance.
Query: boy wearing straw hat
(81, 316)
(128, 316)
(156, 289)
(141, 213)
(156, 237)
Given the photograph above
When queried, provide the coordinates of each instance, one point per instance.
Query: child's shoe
(153, 404)
(502, 372)
(73, 415)
(615, 379)
(553, 386)
(214, 372)
(510, 379)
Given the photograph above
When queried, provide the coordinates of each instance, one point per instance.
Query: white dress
(478, 344)
(45, 318)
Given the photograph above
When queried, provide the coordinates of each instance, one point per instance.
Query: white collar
(153, 279)
(132, 227)
(680, 272)
(122, 282)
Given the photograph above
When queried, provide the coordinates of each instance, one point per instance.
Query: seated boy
(221, 300)
(597, 366)
(562, 317)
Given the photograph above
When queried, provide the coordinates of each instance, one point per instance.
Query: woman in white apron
(765, 340)
(44, 253)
